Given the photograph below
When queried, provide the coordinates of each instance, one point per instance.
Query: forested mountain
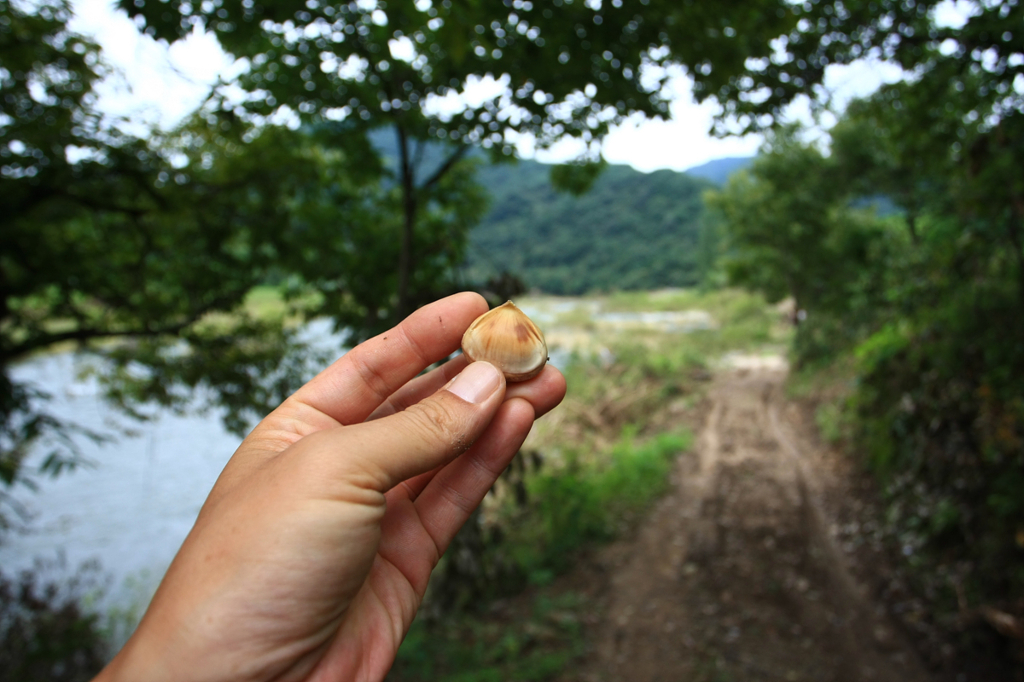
(630, 231)
(719, 170)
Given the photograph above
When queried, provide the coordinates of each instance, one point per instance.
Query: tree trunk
(912, 227)
(405, 253)
(410, 209)
(1014, 232)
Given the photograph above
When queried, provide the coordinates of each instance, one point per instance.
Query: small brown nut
(509, 340)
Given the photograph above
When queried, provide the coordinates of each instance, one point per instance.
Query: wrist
(118, 670)
(153, 657)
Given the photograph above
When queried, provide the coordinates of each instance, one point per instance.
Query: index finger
(358, 382)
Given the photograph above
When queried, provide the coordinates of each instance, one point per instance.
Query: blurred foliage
(507, 644)
(572, 69)
(45, 633)
(560, 70)
(793, 231)
(904, 246)
(142, 253)
(567, 70)
(344, 264)
(141, 240)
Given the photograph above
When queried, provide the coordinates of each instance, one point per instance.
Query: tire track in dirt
(734, 575)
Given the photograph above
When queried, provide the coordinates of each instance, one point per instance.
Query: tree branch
(445, 167)
(87, 333)
(405, 254)
(417, 157)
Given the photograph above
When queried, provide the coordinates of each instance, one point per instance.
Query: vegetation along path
(735, 574)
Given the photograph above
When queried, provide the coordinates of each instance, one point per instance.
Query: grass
(828, 387)
(586, 501)
(743, 321)
(531, 642)
(726, 304)
(630, 374)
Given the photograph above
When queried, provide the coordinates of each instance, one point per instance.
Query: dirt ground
(739, 573)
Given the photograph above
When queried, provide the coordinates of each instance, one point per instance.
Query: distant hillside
(631, 231)
(719, 170)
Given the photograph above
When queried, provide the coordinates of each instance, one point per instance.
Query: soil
(741, 572)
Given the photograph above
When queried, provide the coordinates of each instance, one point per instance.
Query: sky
(157, 86)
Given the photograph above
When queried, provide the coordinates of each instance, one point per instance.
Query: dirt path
(734, 576)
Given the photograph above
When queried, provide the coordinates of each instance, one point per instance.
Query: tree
(939, 406)
(936, 407)
(975, 58)
(955, 124)
(791, 230)
(568, 69)
(562, 69)
(788, 232)
(142, 253)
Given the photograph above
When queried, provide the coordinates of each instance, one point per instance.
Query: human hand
(313, 550)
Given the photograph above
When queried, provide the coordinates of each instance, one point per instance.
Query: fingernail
(478, 381)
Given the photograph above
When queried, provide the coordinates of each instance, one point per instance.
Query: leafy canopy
(125, 248)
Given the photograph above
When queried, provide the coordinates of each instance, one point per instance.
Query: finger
(411, 488)
(544, 391)
(379, 454)
(415, 534)
(420, 387)
(447, 501)
(354, 386)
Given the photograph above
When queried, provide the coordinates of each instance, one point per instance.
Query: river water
(131, 507)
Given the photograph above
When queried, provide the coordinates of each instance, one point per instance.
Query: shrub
(45, 633)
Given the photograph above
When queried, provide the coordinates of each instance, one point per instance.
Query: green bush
(583, 503)
(45, 634)
(940, 410)
(472, 648)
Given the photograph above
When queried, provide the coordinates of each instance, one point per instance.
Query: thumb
(425, 435)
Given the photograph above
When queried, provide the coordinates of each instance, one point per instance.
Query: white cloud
(477, 91)
(154, 85)
(402, 49)
(678, 144)
(955, 13)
